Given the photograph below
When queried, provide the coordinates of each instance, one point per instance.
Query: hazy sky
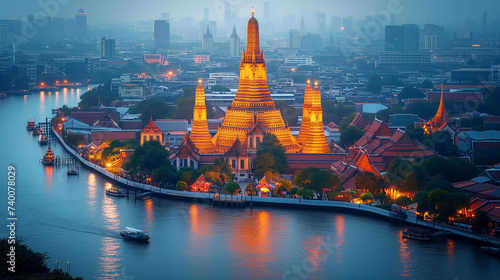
(114, 11)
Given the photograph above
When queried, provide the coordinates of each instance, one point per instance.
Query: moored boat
(48, 158)
(417, 234)
(37, 131)
(30, 125)
(110, 190)
(135, 234)
(490, 250)
(43, 140)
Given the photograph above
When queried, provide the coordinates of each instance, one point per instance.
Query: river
(73, 220)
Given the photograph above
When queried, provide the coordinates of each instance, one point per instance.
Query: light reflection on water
(109, 262)
(92, 191)
(49, 176)
(406, 257)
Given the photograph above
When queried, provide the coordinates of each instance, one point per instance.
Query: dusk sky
(116, 11)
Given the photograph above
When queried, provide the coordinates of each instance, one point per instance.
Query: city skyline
(116, 12)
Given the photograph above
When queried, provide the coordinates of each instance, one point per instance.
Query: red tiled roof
(151, 127)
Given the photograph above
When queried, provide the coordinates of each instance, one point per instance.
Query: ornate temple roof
(151, 127)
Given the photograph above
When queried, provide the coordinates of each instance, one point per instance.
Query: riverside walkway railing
(288, 202)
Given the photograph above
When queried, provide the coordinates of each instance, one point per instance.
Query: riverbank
(274, 201)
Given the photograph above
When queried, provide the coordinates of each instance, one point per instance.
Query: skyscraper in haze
(302, 26)
(108, 47)
(208, 40)
(293, 39)
(402, 38)
(205, 14)
(161, 34)
(321, 18)
(81, 23)
(336, 24)
(234, 44)
(433, 37)
(484, 22)
(347, 25)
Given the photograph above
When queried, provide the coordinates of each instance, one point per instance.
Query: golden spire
(306, 111)
(316, 141)
(441, 115)
(199, 133)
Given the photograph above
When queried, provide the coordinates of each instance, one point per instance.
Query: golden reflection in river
(49, 176)
(92, 194)
(149, 210)
(450, 249)
(340, 230)
(315, 248)
(65, 97)
(42, 101)
(109, 262)
(199, 232)
(199, 227)
(405, 257)
(252, 242)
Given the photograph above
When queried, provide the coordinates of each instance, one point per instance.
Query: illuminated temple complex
(440, 120)
(251, 115)
(253, 104)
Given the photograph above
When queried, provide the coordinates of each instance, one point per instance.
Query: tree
(303, 178)
(368, 181)
(350, 136)
(250, 189)
(97, 95)
(165, 175)
(218, 173)
(439, 204)
(423, 109)
(382, 197)
(427, 84)
(182, 186)
(151, 155)
(219, 88)
(305, 193)
(270, 156)
(374, 83)
(410, 92)
(403, 201)
(232, 188)
(452, 169)
(365, 197)
(481, 222)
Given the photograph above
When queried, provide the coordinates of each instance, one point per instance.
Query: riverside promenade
(275, 201)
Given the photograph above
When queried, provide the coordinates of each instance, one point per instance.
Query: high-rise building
(205, 14)
(347, 25)
(9, 29)
(310, 42)
(161, 34)
(81, 23)
(234, 44)
(293, 39)
(402, 38)
(108, 47)
(302, 26)
(484, 22)
(321, 23)
(208, 40)
(253, 109)
(433, 37)
(336, 24)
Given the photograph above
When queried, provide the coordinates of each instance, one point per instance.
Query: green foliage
(72, 139)
(218, 173)
(382, 197)
(305, 193)
(452, 169)
(189, 175)
(383, 115)
(165, 175)
(374, 83)
(366, 196)
(270, 156)
(481, 222)
(294, 190)
(113, 150)
(316, 180)
(250, 189)
(182, 186)
(441, 204)
(289, 114)
(427, 84)
(334, 111)
(410, 92)
(350, 136)
(423, 109)
(368, 181)
(403, 201)
(151, 155)
(405, 176)
(344, 123)
(491, 101)
(440, 141)
(154, 107)
(92, 97)
(232, 188)
(219, 88)
(392, 81)
(477, 123)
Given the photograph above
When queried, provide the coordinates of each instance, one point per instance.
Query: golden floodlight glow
(199, 81)
(308, 81)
